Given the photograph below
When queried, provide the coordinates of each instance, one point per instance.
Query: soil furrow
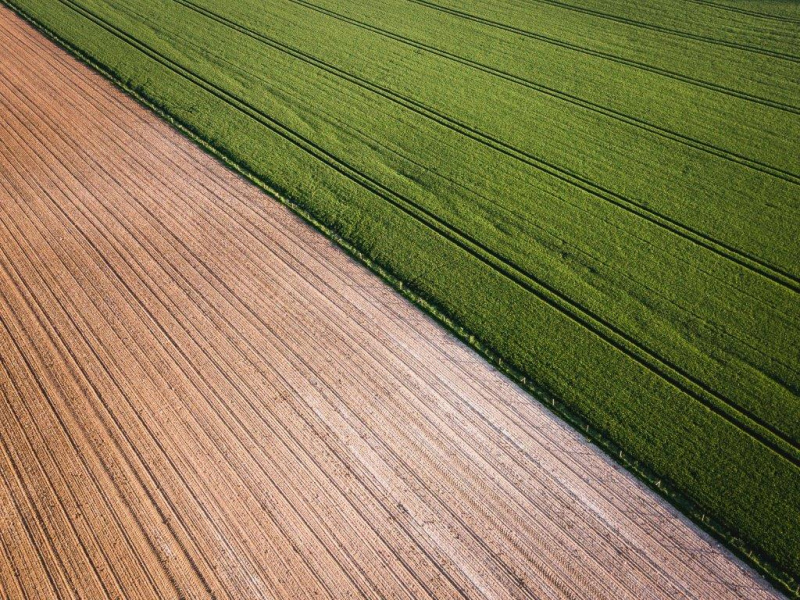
(203, 397)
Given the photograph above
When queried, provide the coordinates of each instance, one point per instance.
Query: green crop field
(605, 194)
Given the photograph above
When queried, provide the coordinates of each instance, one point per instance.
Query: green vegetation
(605, 193)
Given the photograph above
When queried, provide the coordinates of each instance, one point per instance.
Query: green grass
(605, 194)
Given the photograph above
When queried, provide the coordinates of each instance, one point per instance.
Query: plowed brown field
(200, 396)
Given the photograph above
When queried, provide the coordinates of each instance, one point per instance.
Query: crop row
(646, 282)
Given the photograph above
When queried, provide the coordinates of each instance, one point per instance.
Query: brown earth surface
(200, 396)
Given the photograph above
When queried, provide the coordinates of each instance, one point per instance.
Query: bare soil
(200, 396)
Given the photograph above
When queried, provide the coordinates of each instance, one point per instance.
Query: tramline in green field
(605, 194)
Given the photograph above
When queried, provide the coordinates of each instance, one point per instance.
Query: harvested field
(200, 396)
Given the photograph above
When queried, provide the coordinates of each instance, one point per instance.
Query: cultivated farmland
(200, 397)
(605, 194)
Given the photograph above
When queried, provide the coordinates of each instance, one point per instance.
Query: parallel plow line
(254, 392)
(257, 231)
(761, 431)
(224, 370)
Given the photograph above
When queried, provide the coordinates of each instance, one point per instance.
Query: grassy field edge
(780, 578)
